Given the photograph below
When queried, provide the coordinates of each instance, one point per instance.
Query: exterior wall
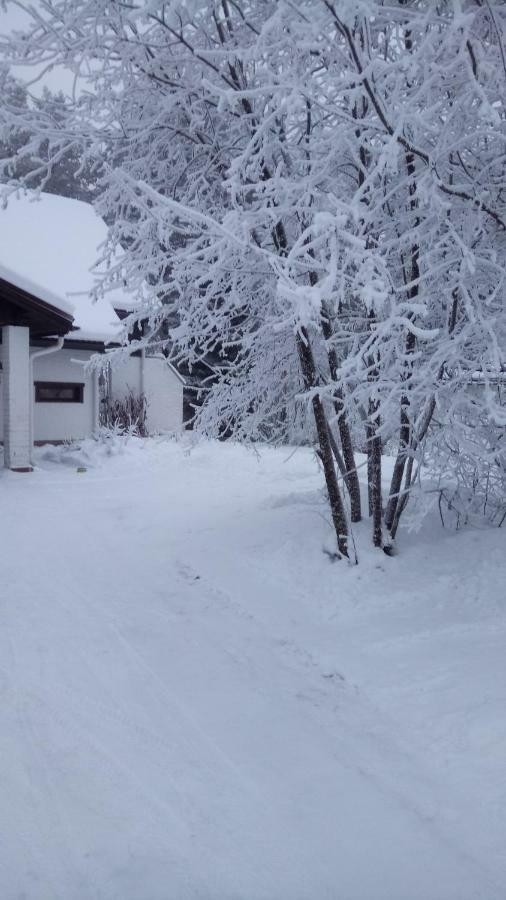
(162, 388)
(164, 392)
(1, 395)
(73, 421)
(125, 377)
(16, 396)
(64, 421)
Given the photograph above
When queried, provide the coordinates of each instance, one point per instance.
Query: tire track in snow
(400, 767)
(299, 694)
(33, 750)
(210, 754)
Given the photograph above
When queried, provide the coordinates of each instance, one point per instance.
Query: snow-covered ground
(197, 703)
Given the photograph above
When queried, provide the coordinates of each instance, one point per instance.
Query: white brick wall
(16, 396)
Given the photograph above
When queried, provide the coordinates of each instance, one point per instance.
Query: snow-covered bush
(124, 415)
(467, 455)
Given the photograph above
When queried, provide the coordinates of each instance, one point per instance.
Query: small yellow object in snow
(81, 469)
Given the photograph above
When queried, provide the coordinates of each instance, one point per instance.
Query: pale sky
(12, 17)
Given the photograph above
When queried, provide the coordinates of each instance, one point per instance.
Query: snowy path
(178, 719)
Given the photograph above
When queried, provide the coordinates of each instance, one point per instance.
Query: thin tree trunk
(351, 475)
(413, 279)
(374, 476)
(311, 381)
(399, 466)
(369, 436)
(374, 449)
(403, 499)
(337, 454)
(398, 500)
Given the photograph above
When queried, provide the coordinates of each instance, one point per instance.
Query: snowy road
(195, 703)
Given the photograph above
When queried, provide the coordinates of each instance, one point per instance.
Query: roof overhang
(19, 307)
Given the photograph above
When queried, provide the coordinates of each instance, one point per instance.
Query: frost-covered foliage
(62, 173)
(124, 415)
(310, 195)
(468, 453)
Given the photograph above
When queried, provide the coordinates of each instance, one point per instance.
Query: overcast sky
(13, 17)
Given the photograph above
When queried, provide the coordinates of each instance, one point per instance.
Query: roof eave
(19, 307)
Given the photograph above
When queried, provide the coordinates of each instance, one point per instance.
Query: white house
(50, 327)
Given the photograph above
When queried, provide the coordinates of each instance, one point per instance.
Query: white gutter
(45, 352)
(142, 378)
(96, 402)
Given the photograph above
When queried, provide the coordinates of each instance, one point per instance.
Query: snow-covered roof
(31, 288)
(48, 247)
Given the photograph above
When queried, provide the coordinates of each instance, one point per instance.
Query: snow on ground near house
(197, 703)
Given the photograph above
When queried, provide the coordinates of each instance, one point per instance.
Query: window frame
(77, 388)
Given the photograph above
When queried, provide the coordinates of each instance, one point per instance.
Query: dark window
(58, 392)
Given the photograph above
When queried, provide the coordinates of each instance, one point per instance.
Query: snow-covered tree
(311, 194)
(63, 173)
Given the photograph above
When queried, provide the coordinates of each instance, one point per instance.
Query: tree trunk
(374, 477)
(351, 475)
(311, 381)
(411, 439)
(398, 472)
(351, 478)
(337, 454)
(413, 279)
(403, 499)
(369, 437)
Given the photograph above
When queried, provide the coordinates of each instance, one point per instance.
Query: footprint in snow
(187, 573)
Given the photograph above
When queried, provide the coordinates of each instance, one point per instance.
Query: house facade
(50, 329)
